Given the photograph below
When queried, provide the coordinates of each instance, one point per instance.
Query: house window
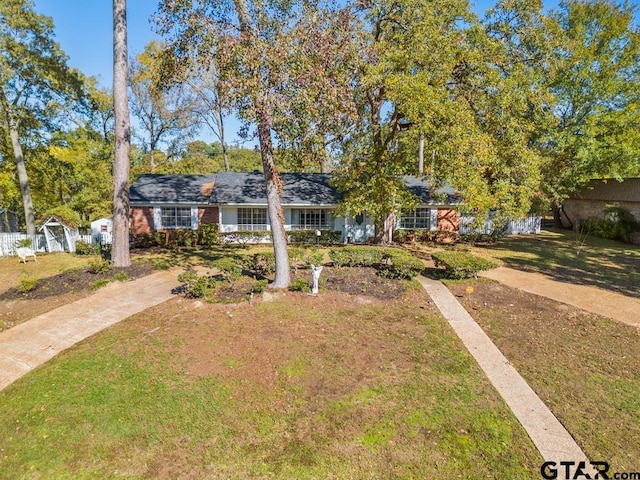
(311, 219)
(252, 219)
(420, 218)
(176, 217)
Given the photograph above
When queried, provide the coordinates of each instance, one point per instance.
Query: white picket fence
(9, 241)
(530, 224)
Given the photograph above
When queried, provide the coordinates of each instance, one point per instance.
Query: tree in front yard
(34, 82)
(120, 246)
(269, 70)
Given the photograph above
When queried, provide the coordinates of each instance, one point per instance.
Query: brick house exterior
(597, 195)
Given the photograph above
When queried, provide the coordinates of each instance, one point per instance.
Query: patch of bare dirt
(265, 342)
(58, 290)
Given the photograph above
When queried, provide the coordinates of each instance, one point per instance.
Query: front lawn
(334, 386)
(584, 367)
(570, 257)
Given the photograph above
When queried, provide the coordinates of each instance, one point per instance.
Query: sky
(84, 30)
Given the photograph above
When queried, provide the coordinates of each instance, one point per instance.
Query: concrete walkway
(551, 439)
(34, 342)
(596, 300)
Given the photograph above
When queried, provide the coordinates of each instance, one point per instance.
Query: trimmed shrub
(400, 264)
(460, 265)
(327, 237)
(360, 256)
(304, 256)
(390, 262)
(244, 237)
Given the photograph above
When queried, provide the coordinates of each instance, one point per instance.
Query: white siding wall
(229, 219)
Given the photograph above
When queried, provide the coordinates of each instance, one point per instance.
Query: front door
(357, 228)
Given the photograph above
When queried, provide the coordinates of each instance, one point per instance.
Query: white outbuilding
(101, 230)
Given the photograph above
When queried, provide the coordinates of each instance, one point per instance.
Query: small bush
(619, 224)
(264, 263)
(99, 266)
(209, 235)
(84, 248)
(103, 282)
(24, 243)
(259, 286)
(460, 265)
(229, 267)
(161, 265)
(27, 284)
(300, 285)
(197, 286)
(121, 276)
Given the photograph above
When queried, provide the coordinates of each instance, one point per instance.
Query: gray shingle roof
(234, 188)
(297, 189)
(428, 195)
(156, 188)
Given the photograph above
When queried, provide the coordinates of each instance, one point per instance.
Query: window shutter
(194, 217)
(433, 222)
(157, 218)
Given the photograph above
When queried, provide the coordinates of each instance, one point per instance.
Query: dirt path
(592, 299)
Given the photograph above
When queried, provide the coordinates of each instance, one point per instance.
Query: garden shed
(59, 236)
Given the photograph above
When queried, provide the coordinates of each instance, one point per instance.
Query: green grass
(98, 284)
(574, 258)
(11, 269)
(124, 405)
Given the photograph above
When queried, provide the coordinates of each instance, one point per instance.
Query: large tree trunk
(271, 176)
(274, 207)
(120, 246)
(27, 201)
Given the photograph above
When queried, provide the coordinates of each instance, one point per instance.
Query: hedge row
(459, 264)
(390, 262)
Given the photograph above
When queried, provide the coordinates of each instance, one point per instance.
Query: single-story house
(595, 196)
(238, 202)
(163, 202)
(8, 221)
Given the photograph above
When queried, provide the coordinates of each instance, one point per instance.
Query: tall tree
(121, 165)
(596, 83)
(33, 76)
(256, 47)
(431, 72)
(167, 115)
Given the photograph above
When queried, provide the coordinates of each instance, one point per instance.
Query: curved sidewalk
(34, 342)
(551, 439)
